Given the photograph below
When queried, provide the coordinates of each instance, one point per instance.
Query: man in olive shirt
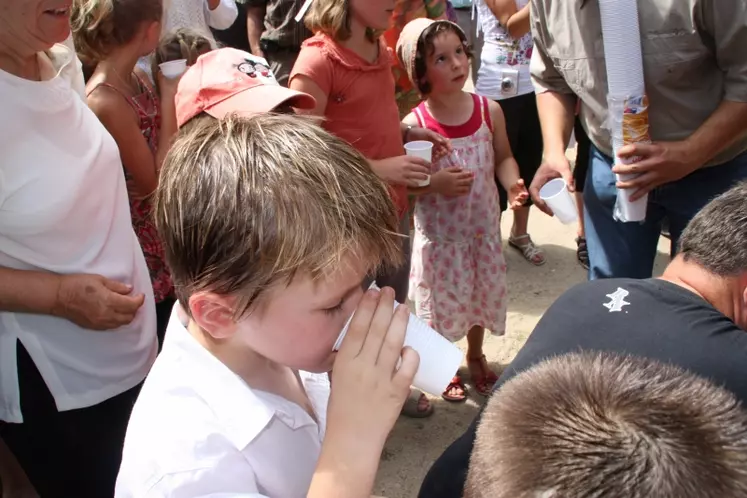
(695, 71)
(274, 33)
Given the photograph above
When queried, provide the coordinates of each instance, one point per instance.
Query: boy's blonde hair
(595, 424)
(98, 26)
(246, 203)
(182, 43)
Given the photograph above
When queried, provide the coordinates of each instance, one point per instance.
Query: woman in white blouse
(77, 318)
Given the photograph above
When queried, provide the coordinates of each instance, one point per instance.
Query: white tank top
(501, 52)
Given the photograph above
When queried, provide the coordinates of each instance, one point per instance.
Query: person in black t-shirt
(599, 424)
(694, 316)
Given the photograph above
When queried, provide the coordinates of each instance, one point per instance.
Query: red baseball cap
(226, 81)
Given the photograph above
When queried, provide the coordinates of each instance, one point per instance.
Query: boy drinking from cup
(270, 226)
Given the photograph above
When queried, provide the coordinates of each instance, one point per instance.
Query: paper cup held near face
(173, 69)
(439, 358)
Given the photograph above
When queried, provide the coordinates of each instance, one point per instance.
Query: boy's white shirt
(198, 430)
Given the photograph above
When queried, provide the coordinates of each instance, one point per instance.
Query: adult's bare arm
(516, 21)
(91, 301)
(255, 26)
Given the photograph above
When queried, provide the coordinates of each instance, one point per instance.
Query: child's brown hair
(246, 203)
(178, 44)
(595, 424)
(100, 25)
(425, 48)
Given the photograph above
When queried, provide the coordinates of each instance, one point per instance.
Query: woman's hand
(441, 144)
(452, 182)
(517, 194)
(369, 388)
(95, 302)
(402, 170)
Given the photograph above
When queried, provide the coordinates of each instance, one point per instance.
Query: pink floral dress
(458, 275)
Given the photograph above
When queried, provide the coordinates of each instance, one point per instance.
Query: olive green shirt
(694, 57)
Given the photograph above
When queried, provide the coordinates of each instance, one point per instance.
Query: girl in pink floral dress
(458, 276)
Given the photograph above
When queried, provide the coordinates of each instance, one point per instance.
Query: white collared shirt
(199, 430)
(64, 209)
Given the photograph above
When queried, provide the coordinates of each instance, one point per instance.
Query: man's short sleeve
(725, 21)
(545, 77)
(315, 65)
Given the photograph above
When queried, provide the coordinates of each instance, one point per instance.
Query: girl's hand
(402, 170)
(517, 194)
(441, 145)
(167, 86)
(452, 182)
(369, 389)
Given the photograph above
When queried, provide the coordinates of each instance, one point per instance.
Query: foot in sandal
(525, 245)
(482, 376)
(456, 391)
(417, 405)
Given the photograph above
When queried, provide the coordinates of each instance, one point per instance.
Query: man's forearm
(254, 27)
(213, 4)
(556, 117)
(727, 123)
(28, 291)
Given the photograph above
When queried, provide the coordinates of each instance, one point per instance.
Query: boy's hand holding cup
(370, 383)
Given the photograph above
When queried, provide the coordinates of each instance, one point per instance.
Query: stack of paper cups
(439, 358)
(622, 51)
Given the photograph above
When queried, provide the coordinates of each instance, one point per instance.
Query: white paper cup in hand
(439, 358)
(556, 196)
(173, 69)
(422, 149)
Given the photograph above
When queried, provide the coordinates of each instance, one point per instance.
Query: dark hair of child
(425, 48)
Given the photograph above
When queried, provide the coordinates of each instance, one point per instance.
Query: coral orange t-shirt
(361, 108)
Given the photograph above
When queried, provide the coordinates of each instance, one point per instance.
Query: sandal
(484, 382)
(582, 252)
(411, 407)
(531, 253)
(456, 383)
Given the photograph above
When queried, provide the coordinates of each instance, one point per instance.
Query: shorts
(524, 136)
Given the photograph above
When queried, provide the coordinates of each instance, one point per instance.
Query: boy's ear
(214, 314)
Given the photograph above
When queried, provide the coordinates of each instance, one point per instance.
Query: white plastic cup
(422, 149)
(556, 196)
(173, 69)
(439, 358)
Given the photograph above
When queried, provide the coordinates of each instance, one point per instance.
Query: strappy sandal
(531, 252)
(486, 380)
(456, 383)
(582, 252)
(411, 407)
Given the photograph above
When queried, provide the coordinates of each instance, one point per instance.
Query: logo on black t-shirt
(617, 300)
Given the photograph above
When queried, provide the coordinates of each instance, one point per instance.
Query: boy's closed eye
(337, 303)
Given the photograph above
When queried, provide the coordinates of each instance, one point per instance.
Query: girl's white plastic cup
(439, 358)
(556, 196)
(173, 69)
(423, 149)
